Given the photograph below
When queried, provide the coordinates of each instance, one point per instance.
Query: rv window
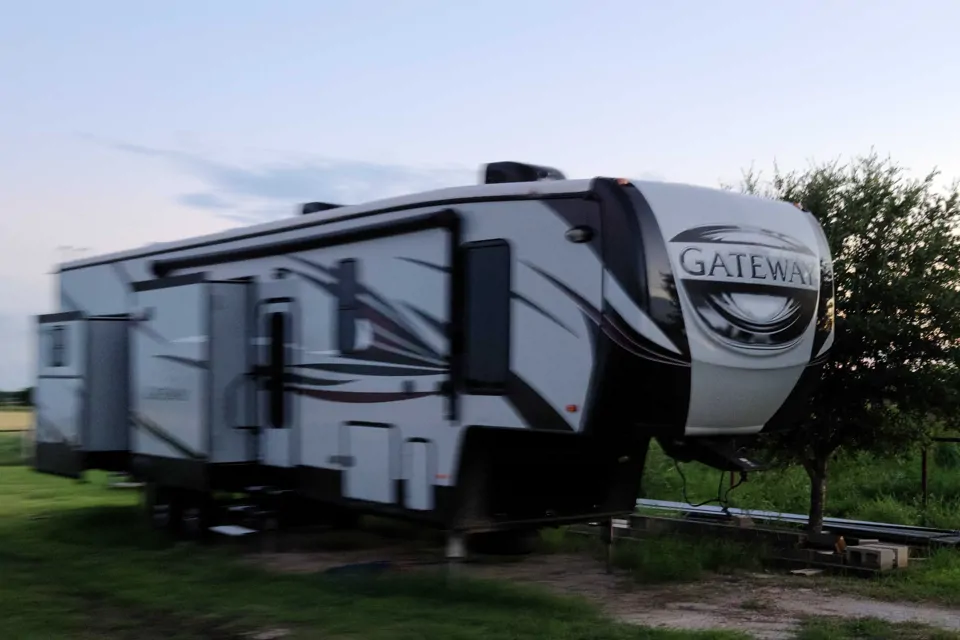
(58, 349)
(487, 316)
(278, 362)
(348, 309)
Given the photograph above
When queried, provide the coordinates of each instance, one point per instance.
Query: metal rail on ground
(906, 534)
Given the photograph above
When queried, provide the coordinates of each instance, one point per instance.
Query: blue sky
(126, 123)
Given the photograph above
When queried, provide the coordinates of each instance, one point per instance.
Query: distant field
(15, 420)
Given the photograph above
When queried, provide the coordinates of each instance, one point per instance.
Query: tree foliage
(23, 398)
(892, 377)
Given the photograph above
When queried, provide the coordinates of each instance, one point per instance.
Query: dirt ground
(766, 606)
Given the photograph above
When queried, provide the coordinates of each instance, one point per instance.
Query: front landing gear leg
(456, 552)
(606, 536)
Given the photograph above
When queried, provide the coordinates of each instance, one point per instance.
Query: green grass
(657, 560)
(76, 561)
(932, 579)
(10, 449)
(869, 629)
(860, 487)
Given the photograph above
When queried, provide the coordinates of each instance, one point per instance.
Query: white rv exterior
(489, 356)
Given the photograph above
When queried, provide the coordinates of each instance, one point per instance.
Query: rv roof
(426, 198)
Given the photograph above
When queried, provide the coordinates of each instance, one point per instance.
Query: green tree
(893, 374)
(24, 397)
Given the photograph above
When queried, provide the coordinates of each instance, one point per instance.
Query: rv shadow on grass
(82, 563)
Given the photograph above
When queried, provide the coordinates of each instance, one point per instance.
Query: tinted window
(487, 317)
(278, 364)
(348, 311)
(58, 347)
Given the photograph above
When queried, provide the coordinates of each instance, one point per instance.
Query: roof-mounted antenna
(500, 172)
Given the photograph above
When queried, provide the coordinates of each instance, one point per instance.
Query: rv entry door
(278, 328)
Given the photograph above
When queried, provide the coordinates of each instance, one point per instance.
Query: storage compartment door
(421, 469)
(370, 452)
(58, 411)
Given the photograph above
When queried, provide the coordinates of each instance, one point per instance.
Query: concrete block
(871, 557)
(901, 552)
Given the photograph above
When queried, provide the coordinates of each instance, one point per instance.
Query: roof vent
(500, 172)
(315, 207)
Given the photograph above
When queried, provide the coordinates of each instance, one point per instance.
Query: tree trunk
(817, 470)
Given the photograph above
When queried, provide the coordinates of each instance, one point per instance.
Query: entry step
(233, 530)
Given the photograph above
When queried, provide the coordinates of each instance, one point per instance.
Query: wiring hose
(722, 498)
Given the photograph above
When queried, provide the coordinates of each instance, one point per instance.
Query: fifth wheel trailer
(496, 356)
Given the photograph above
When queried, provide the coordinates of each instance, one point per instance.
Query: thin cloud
(245, 193)
(205, 201)
(254, 193)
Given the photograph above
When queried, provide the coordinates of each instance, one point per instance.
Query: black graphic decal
(662, 299)
(424, 263)
(197, 364)
(386, 340)
(516, 296)
(294, 378)
(372, 369)
(389, 356)
(825, 303)
(123, 276)
(620, 331)
(141, 325)
(615, 326)
(385, 319)
(143, 423)
(433, 323)
(546, 314)
(588, 309)
(362, 397)
(742, 235)
(535, 410)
